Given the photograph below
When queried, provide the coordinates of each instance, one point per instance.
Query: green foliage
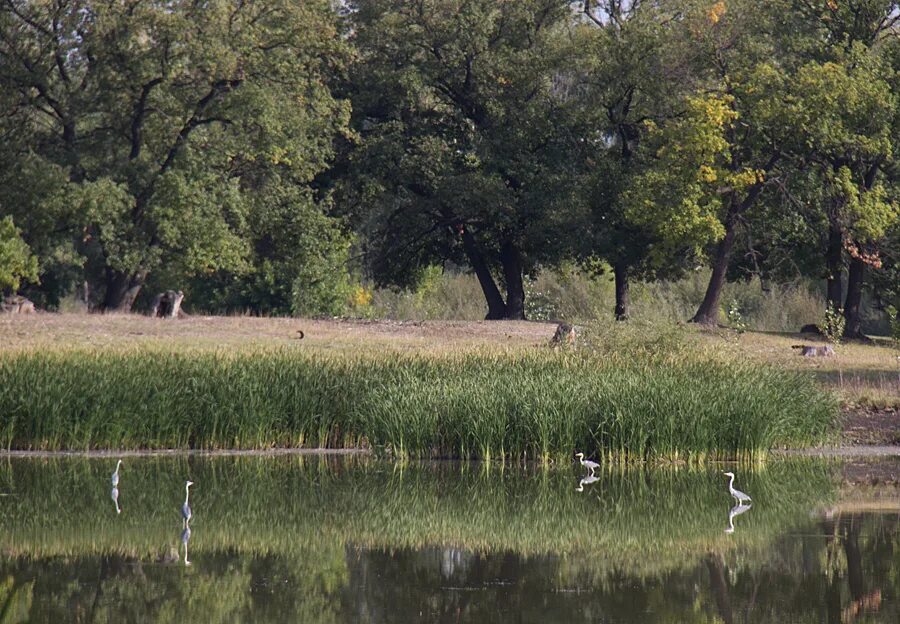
(833, 326)
(322, 285)
(16, 261)
(736, 320)
(159, 124)
(633, 403)
(680, 198)
(461, 154)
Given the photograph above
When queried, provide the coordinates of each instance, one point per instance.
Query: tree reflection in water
(364, 541)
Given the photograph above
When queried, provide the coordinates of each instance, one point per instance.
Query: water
(326, 539)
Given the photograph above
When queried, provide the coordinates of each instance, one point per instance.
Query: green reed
(541, 404)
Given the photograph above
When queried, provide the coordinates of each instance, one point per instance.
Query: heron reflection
(114, 494)
(587, 480)
(734, 513)
(185, 538)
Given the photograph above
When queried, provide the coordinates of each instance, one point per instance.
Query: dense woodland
(282, 156)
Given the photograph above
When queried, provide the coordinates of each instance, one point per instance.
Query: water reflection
(363, 541)
(185, 538)
(586, 480)
(733, 513)
(114, 494)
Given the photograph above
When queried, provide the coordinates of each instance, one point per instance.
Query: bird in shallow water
(739, 496)
(587, 463)
(115, 475)
(186, 508)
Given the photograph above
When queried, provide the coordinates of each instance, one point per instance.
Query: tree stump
(167, 304)
(814, 351)
(16, 304)
(565, 336)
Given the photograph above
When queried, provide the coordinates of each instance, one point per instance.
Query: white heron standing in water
(587, 463)
(739, 496)
(186, 508)
(115, 475)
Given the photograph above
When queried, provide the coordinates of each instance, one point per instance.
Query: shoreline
(837, 452)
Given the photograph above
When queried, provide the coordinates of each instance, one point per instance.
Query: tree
(162, 117)
(461, 155)
(842, 112)
(16, 261)
(628, 75)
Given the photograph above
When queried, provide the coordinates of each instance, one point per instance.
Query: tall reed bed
(542, 405)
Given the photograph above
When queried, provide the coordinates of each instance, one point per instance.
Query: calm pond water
(331, 539)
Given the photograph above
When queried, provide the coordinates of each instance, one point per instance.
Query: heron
(734, 513)
(186, 508)
(587, 480)
(115, 475)
(587, 463)
(739, 496)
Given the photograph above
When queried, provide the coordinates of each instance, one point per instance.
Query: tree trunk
(853, 322)
(496, 306)
(834, 260)
(716, 568)
(512, 273)
(855, 576)
(708, 313)
(621, 272)
(122, 289)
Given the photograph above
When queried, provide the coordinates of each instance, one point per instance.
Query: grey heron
(115, 475)
(587, 463)
(587, 480)
(186, 508)
(734, 513)
(739, 496)
(115, 496)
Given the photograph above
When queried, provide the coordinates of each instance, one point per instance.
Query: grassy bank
(488, 405)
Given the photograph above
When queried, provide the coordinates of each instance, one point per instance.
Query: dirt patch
(875, 471)
(871, 426)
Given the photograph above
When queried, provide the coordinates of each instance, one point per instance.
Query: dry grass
(862, 374)
(127, 331)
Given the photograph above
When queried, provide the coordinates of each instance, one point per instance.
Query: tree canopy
(271, 155)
